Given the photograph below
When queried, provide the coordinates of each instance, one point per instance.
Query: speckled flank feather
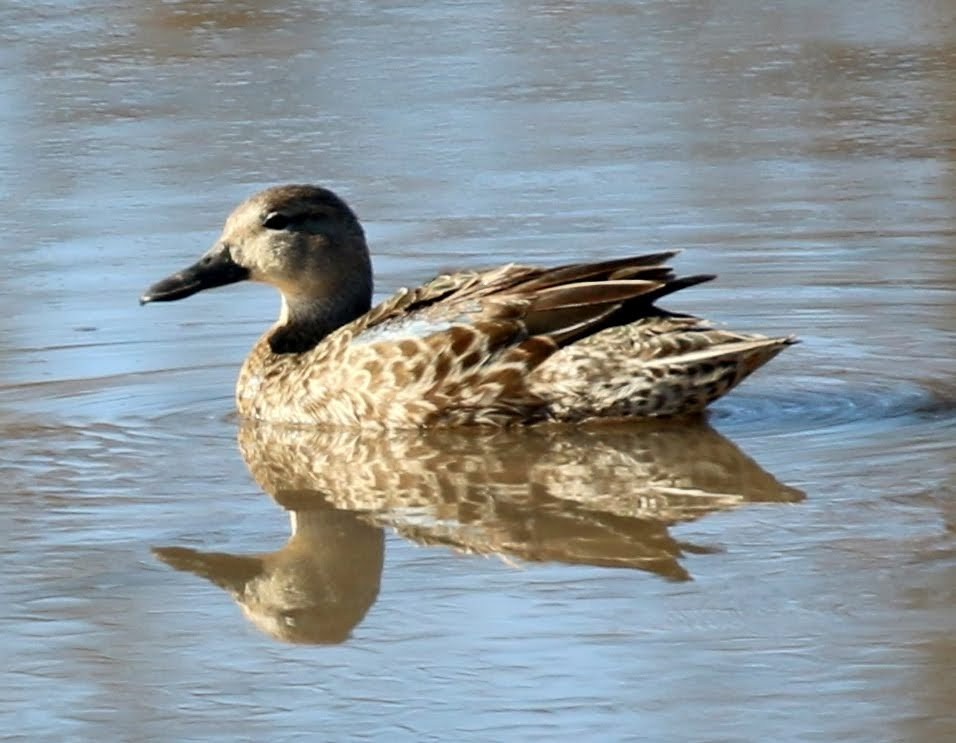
(660, 366)
(516, 344)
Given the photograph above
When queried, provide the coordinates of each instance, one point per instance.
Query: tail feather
(758, 347)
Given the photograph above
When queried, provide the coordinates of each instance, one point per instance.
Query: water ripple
(813, 404)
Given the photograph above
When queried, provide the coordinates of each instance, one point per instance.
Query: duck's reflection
(604, 496)
(314, 589)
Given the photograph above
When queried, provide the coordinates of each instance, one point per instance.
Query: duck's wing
(564, 303)
(460, 348)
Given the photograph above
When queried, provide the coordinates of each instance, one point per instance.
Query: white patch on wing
(394, 330)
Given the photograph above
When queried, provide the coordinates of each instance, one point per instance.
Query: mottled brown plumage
(516, 344)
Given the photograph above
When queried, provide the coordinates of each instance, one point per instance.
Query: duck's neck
(304, 322)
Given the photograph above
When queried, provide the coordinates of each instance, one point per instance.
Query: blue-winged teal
(515, 344)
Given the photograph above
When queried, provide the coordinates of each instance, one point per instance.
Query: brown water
(785, 574)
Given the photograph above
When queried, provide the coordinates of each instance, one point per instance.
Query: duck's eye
(276, 221)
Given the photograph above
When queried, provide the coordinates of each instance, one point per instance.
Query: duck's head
(304, 240)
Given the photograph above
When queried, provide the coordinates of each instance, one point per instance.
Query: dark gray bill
(215, 268)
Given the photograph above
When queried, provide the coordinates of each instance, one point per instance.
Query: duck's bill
(215, 268)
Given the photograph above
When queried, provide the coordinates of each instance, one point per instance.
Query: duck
(513, 345)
